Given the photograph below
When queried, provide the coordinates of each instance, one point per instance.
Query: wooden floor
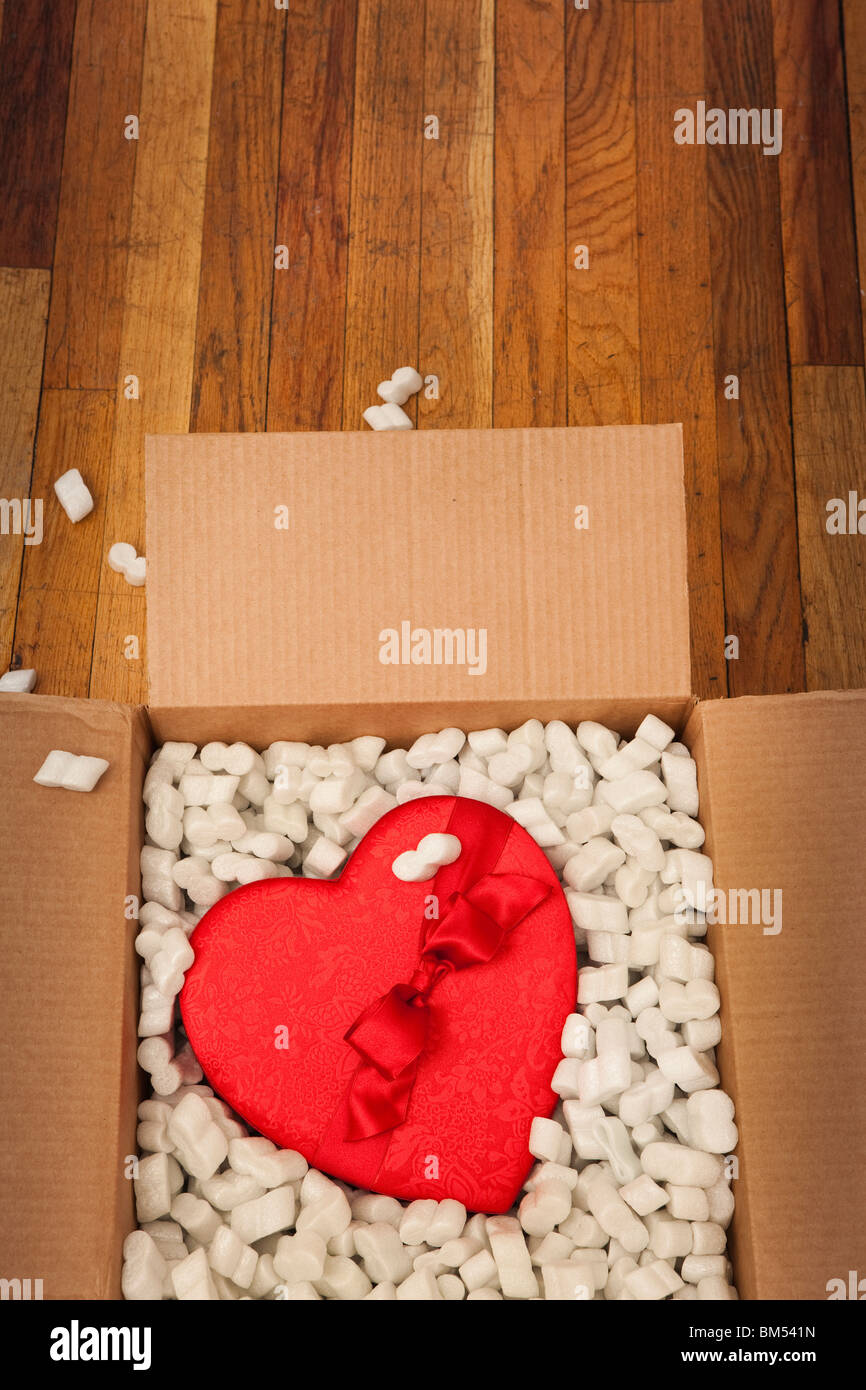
(158, 259)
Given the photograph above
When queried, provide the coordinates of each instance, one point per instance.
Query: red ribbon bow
(391, 1034)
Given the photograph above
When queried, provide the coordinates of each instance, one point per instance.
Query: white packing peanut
(643, 1195)
(592, 864)
(479, 1271)
(653, 1281)
(690, 1070)
(22, 679)
(679, 1164)
(632, 757)
(144, 1268)
(264, 1216)
(598, 741)
(542, 1209)
(614, 1216)
(199, 1142)
(192, 1279)
(687, 1203)
(680, 776)
(578, 1038)
(513, 1265)
(421, 1286)
(605, 982)
(387, 417)
(711, 1121)
(584, 825)
(159, 1178)
(633, 793)
(300, 1257)
(228, 1255)
(382, 1253)
(402, 384)
(638, 840)
(74, 772)
(122, 558)
(654, 730)
(567, 1280)
(478, 787)
(324, 1207)
(264, 1162)
(73, 495)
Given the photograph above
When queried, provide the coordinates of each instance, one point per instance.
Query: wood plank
(86, 316)
(308, 314)
(161, 299)
(601, 214)
(756, 469)
(385, 202)
(23, 312)
(60, 578)
(854, 17)
(231, 374)
(830, 453)
(529, 289)
(676, 312)
(824, 321)
(456, 306)
(35, 53)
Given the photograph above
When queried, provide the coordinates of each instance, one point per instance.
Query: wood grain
(237, 256)
(756, 471)
(308, 313)
(854, 15)
(60, 578)
(161, 298)
(86, 316)
(830, 452)
(815, 186)
(305, 128)
(385, 207)
(456, 305)
(676, 314)
(601, 214)
(23, 312)
(35, 52)
(529, 218)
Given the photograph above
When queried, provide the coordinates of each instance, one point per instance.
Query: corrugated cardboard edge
(400, 722)
(793, 1032)
(66, 1195)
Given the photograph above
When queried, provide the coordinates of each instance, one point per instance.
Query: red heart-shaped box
(284, 967)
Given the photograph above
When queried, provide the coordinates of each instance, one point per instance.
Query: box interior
(68, 1032)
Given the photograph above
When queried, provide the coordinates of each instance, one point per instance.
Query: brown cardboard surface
(400, 724)
(68, 995)
(782, 784)
(457, 530)
(793, 1040)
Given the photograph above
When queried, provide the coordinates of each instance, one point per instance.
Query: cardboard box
(258, 631)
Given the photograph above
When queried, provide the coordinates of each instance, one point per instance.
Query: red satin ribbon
(391, 1034)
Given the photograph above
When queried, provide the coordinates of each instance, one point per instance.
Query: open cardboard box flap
(782, 782)
(276, 562)
(252, 636)
(68, 994)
